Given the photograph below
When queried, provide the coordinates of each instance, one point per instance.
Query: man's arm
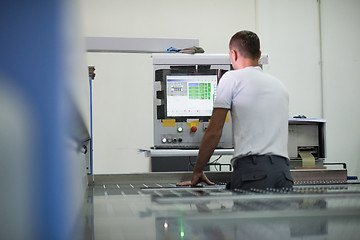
(208, 144)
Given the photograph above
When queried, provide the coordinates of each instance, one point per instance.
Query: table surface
(152, 207)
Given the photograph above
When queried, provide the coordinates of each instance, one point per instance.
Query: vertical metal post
(91, 78)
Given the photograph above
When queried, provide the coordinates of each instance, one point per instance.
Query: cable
(190, 164)
(211, 163)
(215, 161)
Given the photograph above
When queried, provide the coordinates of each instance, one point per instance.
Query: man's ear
(234, 55)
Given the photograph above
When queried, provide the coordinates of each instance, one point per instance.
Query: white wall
(122, 111)
(289, 32)
(341, 73)
(211, 21)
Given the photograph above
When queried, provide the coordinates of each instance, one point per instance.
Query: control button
(193, 129)
(169, 140)
(174, 140)
(180, 129)
(180, 140)
(163, 140)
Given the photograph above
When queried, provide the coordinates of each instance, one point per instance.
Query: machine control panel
(184, 93)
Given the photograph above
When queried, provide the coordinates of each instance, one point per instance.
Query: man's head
(244, 45)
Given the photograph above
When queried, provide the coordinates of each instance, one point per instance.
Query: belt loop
(253, 159)
(236, 162)
(287, 161)
(271, 159)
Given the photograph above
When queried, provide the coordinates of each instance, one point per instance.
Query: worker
(259, 106)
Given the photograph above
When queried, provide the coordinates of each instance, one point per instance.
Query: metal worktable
(150, 206)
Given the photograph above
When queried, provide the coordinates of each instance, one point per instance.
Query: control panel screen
(190, 95)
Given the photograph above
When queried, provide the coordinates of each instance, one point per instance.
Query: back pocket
(253, 176)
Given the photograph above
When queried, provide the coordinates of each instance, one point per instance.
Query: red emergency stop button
(193, 129)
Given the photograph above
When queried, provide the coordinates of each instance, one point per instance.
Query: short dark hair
(247, 43)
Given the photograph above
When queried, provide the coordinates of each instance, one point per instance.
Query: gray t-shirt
(259, 105)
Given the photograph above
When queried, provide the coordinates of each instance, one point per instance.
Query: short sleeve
(224, 93)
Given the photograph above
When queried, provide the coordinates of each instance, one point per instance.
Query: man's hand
(197, 177)
(209, 142)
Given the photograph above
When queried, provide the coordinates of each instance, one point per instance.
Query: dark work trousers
(261, 172)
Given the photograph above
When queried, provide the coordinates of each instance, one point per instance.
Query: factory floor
(154, 208)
